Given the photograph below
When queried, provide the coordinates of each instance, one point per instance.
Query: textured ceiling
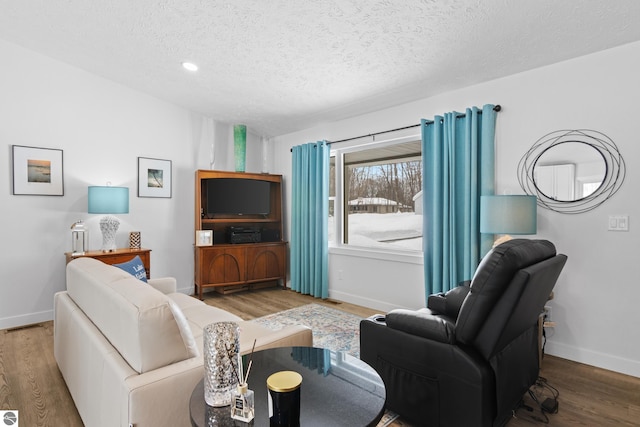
(283, 65)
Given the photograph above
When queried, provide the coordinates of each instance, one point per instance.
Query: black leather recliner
(469, 358)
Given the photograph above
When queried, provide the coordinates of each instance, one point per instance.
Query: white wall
(595, 303)
(102, 128)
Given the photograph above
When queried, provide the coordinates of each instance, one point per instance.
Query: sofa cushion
(138, 320)
(185, 330)
(199, 315)
(135, 267)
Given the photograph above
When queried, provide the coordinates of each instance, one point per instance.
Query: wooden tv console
(229, 267)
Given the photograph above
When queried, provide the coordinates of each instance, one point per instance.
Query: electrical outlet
(547, 313)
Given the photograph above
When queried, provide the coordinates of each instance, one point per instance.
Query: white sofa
(131, 352)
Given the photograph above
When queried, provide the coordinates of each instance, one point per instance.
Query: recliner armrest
(449, 303)
(437, 303)
(422, 323)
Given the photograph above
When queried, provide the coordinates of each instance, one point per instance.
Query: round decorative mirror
(569, 171)
(572, 171)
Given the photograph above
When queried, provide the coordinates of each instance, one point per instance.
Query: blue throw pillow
(135, 267)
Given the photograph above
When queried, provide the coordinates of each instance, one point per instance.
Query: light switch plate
(618, 222)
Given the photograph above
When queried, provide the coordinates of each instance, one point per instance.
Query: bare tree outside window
(381, 189)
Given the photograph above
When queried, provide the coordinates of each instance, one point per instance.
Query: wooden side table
(117, 256)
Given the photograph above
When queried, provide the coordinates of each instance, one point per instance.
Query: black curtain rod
(495, 108)
(373, 134)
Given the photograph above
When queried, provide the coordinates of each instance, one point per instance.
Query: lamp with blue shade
(508, 214)
(108, 200)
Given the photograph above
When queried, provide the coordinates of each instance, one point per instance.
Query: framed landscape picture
(154, 177)
(37, 171)
(204, 237)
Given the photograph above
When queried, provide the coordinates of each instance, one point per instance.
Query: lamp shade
(108, 200)
(512, 214)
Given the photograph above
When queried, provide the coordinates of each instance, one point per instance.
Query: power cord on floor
(545, 396)
(549, 404)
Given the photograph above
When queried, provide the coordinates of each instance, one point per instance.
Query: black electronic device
(270, 235)
(244, 235)
(238, 196)
(550, 405)
(219, 237)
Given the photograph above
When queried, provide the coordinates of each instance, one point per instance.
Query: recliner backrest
(519, 307)
(495, 274)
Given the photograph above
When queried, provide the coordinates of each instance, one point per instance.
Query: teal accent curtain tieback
(309, 219)
(458, 168)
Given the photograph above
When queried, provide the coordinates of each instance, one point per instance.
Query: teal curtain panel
(309, 219)
(458, 168)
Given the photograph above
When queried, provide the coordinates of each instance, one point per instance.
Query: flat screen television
(238, 196)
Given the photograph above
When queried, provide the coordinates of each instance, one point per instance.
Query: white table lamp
(108, 200)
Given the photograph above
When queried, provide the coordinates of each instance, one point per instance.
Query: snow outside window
(380, 194)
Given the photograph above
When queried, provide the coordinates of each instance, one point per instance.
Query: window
(379, 187)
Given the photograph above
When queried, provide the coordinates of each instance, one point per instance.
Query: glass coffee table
(337, 389)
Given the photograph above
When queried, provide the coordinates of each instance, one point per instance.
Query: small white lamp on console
(108, 200)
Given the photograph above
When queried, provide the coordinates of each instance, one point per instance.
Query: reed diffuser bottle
(242, 403)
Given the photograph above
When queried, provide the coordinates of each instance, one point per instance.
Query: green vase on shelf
(240, 146)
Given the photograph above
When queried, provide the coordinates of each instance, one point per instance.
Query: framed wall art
(204, 237)
(154, 177)
(37, 171)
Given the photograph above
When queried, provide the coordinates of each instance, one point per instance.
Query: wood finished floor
(31, 382)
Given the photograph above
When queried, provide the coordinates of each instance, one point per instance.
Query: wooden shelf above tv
(240, 265)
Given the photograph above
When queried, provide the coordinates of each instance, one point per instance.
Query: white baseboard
(384, 307)
(25, 319)
(594, 358)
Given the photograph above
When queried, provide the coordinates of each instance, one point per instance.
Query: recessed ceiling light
(190, 66)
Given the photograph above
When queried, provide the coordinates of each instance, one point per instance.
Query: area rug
(332, 329)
